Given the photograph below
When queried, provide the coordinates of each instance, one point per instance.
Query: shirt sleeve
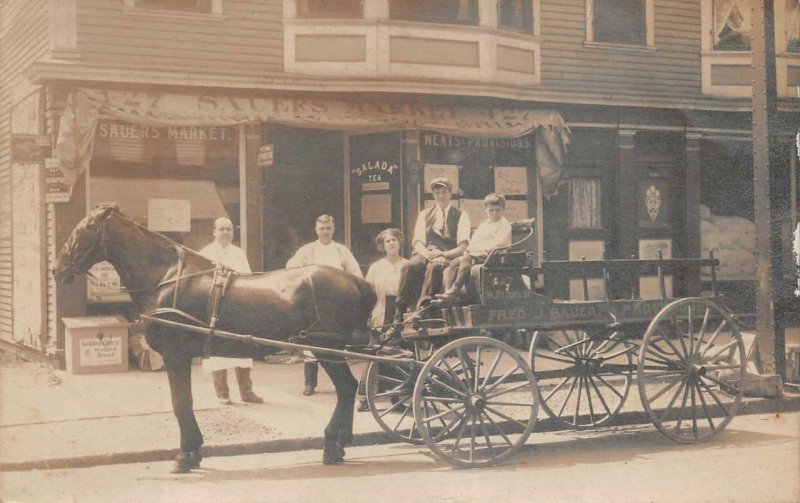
(243, 267)
(349, 262)
(297, 259)
(464, 228)
(419, 230)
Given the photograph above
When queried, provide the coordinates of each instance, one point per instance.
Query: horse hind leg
(179, 371)
(339, 431)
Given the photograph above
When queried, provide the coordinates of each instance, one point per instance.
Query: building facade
(624, 127)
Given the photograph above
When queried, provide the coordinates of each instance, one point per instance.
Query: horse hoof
(186, 462)
(333, 455)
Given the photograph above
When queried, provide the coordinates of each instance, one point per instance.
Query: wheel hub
(475, 403)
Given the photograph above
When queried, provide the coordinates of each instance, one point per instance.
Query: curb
(748, 407)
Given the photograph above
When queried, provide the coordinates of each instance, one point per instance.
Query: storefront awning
(132, 195)
(85, 106)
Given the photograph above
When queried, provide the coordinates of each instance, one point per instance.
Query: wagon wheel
(584, 380)
(691, 362)
(390, 387)
(475, 402)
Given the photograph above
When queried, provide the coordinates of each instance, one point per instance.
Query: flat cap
(442, 182)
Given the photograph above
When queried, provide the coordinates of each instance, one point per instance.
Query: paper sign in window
(511, 181)
(376, 208)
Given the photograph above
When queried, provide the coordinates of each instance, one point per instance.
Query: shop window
(516, 15)
(732, 25)
(791, 22)
(202, 6)
(619, 21)
(435, 11)
(585, 203)
(329, 8)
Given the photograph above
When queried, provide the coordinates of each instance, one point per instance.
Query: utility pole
(767, 176)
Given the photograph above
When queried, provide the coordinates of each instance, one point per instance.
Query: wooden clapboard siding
(246, 40)
(23, 39)
(672, 69)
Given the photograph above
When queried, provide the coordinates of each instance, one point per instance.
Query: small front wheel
(475, 402)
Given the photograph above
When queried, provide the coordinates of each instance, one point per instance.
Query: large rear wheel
(691, 366)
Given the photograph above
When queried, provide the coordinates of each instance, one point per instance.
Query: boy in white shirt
(494, 232)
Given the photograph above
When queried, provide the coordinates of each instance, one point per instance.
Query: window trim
(303, 15)
(441, 21)
(649, 26)
(216, 10)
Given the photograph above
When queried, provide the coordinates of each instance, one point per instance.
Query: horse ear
(108, 208)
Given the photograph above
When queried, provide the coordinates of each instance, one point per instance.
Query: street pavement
(51, 419)
(757, 459)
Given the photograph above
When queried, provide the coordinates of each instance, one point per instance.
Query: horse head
(85, 245)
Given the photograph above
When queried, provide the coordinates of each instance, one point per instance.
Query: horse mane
(165, 241)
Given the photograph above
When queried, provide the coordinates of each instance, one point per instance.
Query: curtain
(733, 14)
(584, 212)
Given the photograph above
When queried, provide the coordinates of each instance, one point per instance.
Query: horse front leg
(339, 431)
(179, 371)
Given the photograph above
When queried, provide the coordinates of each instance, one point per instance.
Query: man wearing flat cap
(441, 234)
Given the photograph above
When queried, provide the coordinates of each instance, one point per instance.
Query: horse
(171, 282)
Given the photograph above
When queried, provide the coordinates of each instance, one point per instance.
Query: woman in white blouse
(384, 276)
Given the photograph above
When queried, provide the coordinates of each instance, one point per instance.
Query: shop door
(305, 181)
(578, 220)
(375, 182)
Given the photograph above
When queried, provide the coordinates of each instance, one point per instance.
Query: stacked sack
(732, 240)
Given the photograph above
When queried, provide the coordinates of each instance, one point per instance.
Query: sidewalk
(51, 419)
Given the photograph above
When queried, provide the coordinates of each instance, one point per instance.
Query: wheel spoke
(499, 430)
(665, 389)
(721, 350)
(436, 410)
(450, 410)
(507, 390)
(677, 353)
(554, 358)
(469, 369)
(578, 401)
(510, 404)
(446, 387)
(694, 412)
(716, 399)
(554, 390)
(710, 342)
(490, 372)
(502, 379)
(664, 373)
(391, 379)
(705, 406)
(683, 407)
(485, 430)
(454, 375)
(589, 399)
(569, 394)
(402, 417)
(460, 434)
(722, 384)
(657, 359)
(441, 399)
(612, 388)
(393, 407)
(600, 396)
(733, 366)
(477, 369)
(672, 402)
(702, 333)
(508, 418)
(393, 392)
(447, 428)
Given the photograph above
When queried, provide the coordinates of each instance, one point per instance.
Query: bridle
(78, 266)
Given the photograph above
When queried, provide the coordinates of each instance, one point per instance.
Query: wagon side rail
(632, 269)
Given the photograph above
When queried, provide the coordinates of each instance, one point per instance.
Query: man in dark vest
(441, 234)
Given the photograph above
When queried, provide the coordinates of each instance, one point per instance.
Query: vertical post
(627, 209)
(411, 175)
(765, 150)
(692, 222)
(251, 200)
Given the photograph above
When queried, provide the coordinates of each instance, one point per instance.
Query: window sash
(619, 21)
(435, 11)
(516, 15)
(330, 8)
(203, 6)
(585, 207)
